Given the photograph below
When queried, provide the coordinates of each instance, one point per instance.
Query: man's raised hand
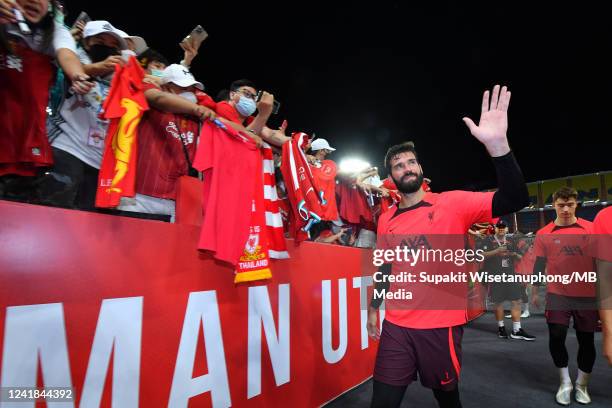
(493, 124)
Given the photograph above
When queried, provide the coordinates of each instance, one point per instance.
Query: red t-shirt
(439, 221)
(25, 78)
(227, 111)
(566, 251)
(161, 157)
(353, 206)
(205, 100)
(326, 178)
(602, 235)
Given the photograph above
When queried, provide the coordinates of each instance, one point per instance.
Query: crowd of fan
(54, 80)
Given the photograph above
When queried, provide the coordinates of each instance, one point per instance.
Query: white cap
(179, 75)
(140, 44)
(319, 144)
(97, 27)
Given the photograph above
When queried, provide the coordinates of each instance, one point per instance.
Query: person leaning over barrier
(240, 106)
(167, 139)
(76, 131)
(28, 49)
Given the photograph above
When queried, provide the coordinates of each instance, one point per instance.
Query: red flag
(304, 193)
(124, 106)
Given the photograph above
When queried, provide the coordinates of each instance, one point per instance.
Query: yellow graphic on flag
(123, 141)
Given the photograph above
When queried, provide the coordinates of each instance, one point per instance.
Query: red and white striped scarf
(274, 221)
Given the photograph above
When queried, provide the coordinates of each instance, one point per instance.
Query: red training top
(439, 221)
(602, 235)
(566, 251)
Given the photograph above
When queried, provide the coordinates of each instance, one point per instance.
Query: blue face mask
(157, 73)
(246, 106)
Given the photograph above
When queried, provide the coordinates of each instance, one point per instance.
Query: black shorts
(501, 292)
(435, 354)
(583, 310)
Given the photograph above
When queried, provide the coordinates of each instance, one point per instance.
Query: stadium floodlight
(353, 165)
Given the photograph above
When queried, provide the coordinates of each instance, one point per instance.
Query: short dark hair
(240, 83)
(397, 149)
(565, 193)
(150, 55)
(223, 95)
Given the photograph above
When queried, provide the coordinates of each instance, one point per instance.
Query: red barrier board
(129, 313)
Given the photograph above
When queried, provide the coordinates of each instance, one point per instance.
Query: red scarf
(254, 263)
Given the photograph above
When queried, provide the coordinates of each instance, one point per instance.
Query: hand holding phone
(82, 18)
(275, 104)
(196, 37)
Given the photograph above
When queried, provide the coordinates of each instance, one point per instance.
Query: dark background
(366, 76)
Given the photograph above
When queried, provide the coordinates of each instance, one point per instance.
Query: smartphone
(275, 105)
(196, 37)
(21, 22)
(346, 237)
(84, 17)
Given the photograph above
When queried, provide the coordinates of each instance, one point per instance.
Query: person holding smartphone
(241, 105)
(76, 131)
(191, 44)
(32, 38)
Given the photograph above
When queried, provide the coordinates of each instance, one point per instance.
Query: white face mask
(190, 96)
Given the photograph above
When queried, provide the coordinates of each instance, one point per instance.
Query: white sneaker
(525, 314)
(582, 394)
(564, 394)
(508, 316)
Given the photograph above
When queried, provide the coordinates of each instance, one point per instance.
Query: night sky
(367, 77)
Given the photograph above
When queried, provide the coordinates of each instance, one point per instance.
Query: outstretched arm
(512, 194)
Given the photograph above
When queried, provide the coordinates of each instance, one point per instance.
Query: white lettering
(31, 333)
(333, 356)
(260, 312)
(120, 328)
(201, 309)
